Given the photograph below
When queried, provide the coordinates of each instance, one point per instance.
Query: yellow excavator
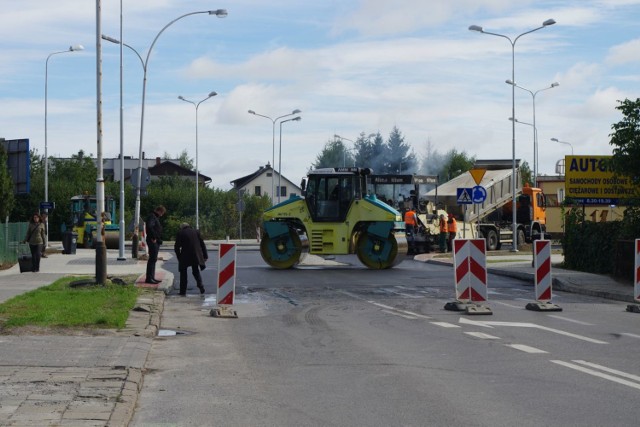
(83, 220)
(335, 216)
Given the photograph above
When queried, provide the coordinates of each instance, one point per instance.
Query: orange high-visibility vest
(443, 225)
(453, 225)
(410, 218)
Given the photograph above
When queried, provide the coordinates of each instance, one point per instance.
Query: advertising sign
(590, 180)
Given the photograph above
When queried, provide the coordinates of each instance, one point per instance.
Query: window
(283, 191)
(257, 190)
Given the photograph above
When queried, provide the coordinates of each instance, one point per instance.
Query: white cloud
(625, 53)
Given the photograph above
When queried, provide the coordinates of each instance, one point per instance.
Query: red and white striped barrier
(542, 277)
(226, 273)
(636, 286)
(470, 269)
(542, 267)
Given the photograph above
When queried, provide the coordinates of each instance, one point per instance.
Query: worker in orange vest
(452, 226)
(411, 227)
(444, 233)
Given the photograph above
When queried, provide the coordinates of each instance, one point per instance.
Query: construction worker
(452, 226)
(444, 233)
(411, 227)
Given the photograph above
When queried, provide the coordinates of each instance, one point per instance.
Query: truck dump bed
(496, 180)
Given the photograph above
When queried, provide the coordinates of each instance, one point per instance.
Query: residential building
(260, 182)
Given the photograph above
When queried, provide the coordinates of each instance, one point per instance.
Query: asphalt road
(346, 346)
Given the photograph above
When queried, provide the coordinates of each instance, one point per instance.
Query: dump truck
(84, 224)
(334, 216)
(492, 219)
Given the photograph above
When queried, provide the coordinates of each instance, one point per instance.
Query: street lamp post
(535, 129)
(563, 142)
(122, 223)
(344, 151)
(296, 119)
(273, 145)
(513, 114)
(211, 94)
(220, 13)
(73, 48)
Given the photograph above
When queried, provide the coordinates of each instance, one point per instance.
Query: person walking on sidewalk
(45, 223)
(36, 238)
(191, 252)
(154, 240)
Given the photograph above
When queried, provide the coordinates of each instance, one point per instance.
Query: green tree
(401, 159)
(185, 161)
(526, 173)
(6, 186)
(455, 163)
(626, 140)
(334, 154)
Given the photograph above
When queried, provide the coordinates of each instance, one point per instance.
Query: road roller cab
(83, 221)
(334, 216)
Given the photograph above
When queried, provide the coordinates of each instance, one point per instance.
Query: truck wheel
(492, 240)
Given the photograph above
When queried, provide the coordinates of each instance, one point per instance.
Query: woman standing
(36, 238)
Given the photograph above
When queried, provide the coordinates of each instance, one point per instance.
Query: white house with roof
(261, 182)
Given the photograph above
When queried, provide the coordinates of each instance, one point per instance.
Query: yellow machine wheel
(283, 251)
(379, 253)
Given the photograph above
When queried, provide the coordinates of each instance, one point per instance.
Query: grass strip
(63, 306)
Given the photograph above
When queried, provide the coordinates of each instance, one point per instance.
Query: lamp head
(110, 39)
(220, 13)
(509, 82)
(213, 93)
(297, 119)
(554, 84)
(548, 22)
(76, 47)
(251, 112)
(554, 139)
(296, 111)
(477, 28)
(337, 136)
(181, 97)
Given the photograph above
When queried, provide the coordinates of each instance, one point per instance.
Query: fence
(12, 233)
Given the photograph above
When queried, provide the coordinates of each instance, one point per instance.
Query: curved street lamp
(211, 94)
(535, 133)
(563, 142)
(220, 13)
(295, 119)
(513, 114)
(121, 256)
(73, 48)
(273, 144)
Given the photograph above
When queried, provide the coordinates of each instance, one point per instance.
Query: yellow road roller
(83, 213)
(334, 216)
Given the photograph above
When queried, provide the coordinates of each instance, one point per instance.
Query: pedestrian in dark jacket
(191, 252)
(35, 237)
(154, 240)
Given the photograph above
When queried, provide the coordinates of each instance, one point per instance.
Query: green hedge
(591, 246)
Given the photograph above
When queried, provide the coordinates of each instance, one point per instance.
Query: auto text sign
(590, 179)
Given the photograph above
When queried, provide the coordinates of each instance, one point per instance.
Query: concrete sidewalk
(94, 380)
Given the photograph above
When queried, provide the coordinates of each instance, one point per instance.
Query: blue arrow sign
(479, 194)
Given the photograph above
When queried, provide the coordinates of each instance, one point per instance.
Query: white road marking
(526, 348)
(505, 304)
(579, 322)
(490, 324)
(395, 313)
(626, 334)
(596, 373)
(609, 370)
(482, 335)
(403, 313)
(445, 324)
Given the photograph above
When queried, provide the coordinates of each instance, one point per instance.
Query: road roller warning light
(334, 216)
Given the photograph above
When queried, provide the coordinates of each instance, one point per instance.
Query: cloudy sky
(351, 66)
